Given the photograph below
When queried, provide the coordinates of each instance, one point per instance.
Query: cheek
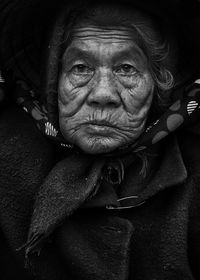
(139, 97)
(70, 98)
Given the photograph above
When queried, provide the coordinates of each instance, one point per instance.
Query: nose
(104, 93)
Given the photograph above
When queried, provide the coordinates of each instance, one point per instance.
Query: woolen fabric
(156, 239)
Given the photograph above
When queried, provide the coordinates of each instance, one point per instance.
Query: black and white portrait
(99, 140)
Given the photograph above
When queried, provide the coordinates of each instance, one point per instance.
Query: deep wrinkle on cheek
(63, 95)
(68, 90)
(140, 94)
(70, 102)
(137, 96)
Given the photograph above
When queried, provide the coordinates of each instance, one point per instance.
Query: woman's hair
(151, 38)
(157, 53)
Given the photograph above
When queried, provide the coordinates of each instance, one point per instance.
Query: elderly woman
(94, 182)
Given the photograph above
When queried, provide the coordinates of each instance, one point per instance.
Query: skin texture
(105, 89)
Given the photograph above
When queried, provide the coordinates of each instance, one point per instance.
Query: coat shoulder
(25, 155)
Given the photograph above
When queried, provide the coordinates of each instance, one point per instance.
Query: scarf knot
(113, 172)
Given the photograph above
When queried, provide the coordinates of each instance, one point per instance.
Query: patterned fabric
(27, 99)
(182, 112)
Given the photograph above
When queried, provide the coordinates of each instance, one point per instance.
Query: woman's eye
(81, 69)
(126, 69)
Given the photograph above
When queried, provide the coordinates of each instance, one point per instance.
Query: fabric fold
(71, 182)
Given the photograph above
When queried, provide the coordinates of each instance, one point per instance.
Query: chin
(97, 146)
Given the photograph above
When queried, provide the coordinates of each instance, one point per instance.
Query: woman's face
(105, 89)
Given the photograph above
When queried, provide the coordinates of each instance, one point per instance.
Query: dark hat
(25, 27)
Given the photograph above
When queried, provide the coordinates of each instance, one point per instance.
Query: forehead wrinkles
(95, 32)
(109, 42)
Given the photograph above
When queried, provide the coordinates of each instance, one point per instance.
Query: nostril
(112, 104)
(95, 103)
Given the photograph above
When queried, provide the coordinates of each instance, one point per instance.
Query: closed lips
(101, 123)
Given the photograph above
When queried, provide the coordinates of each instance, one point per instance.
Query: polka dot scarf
(181, 113)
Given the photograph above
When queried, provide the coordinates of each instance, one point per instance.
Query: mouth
(100, 123)
(100, 127)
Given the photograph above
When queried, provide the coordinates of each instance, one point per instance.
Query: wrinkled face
(105, 89)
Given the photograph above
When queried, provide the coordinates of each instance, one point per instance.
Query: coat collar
(164, 171)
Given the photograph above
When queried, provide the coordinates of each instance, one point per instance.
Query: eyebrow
(78, 53)
(72, 52)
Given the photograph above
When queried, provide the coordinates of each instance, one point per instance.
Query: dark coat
(159, 238)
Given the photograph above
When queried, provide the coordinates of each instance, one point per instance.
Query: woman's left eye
(126, 69)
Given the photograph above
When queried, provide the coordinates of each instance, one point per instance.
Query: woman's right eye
(82, 69)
